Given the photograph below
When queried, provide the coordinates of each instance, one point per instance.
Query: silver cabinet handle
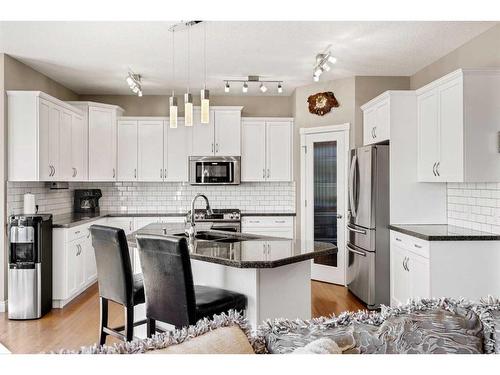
(212, 147)
(356, 230)
(434, 169)
(217, 148)
(50, 170)
(76, 172)
(353, 250)
(407, 267)
(114, 173)
(165, 173)
(437, 168)
(135, 172)
(77, 231)
(268, 173)
(264, 173)
(404, 264)
(339, 216)
(279, 221)
(398, 239)
(375, 131)
(78, 249)
(161, 172)
(54, 171)
(417, 246)
(254, 221)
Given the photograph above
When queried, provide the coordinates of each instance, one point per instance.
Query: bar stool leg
(151, 327)
(103, 302)
(129, 323)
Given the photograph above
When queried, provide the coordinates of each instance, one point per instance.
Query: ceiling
(94, 57)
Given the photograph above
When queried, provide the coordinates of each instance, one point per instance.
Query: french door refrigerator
(367, 228)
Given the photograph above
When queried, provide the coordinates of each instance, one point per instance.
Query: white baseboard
(3, 306)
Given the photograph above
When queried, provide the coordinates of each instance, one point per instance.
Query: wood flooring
(77, 324)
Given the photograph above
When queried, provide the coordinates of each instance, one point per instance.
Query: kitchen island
(274, 273)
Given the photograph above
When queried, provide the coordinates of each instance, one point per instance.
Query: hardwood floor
(77, 324)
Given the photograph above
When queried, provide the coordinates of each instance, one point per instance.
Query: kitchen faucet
(191, 231)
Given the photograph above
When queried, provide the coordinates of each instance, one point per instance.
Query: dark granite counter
(443, 232)
(74, 219)
(241, 250)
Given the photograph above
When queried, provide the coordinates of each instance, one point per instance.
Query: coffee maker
(30, 266)
(87, 200)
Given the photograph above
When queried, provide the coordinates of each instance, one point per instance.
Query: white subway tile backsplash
(475, 206)
(139, 197)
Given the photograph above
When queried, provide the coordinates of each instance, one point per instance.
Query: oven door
(214, 170)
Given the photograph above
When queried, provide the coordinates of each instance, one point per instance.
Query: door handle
(375, 132)
(353, 250)
(339, 216)
(404, 264)
(217, 148)
(50, 170)
(437, 168)
(135, 172)
(356, 230)
(351, 187)
(434, 169)
(114, 173)
(161, 172)
(212, 147)
(54, 171)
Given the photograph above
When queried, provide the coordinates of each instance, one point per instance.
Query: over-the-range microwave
(214, 170)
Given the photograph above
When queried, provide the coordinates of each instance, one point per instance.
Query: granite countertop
(74, 219)
(241, 250)
(443, 232)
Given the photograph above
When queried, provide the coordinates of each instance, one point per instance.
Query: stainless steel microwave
(214, 170)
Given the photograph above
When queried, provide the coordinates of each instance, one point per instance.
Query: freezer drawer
(361, 274)
(361, 237)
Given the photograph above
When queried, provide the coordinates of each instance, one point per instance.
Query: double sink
(211, 236)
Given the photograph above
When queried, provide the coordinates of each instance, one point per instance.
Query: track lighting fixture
(134, 83)
(323, 62)
(205, 93)
(173, 111)
(253, 79)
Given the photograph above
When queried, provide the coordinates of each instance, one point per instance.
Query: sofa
(425, 326)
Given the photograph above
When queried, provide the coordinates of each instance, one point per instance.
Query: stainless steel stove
(227, 219)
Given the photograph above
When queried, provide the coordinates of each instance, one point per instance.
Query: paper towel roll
(29, 204)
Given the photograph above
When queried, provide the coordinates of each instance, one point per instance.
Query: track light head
(263, 88)
(315, 78)
(226, 87)
(245, 87)
(280, 88)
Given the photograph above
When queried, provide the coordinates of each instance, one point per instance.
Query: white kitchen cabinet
(266, 149)
(178, 145)
(127, 150)
(274, 226)
(376, 120)
(222, 136)
(39, 133)
(102, 138)
(79, 149)
(150, 150)
(434, 269)
(458, 125)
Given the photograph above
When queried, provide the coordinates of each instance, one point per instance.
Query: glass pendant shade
(205, 106)
(173, 112)
(188, 109)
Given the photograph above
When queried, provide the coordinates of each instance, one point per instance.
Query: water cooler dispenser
(30, 266)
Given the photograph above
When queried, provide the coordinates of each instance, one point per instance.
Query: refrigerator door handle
(353, 250)
(352, 174)
(356, 230)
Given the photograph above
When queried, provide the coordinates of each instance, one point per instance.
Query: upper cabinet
(47, 138)
(458, 125)
(220, 137)
(102, 138)
(266, 149)
(376, 120)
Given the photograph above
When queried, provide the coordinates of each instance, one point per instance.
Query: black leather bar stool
(171, 296)
(116, 280)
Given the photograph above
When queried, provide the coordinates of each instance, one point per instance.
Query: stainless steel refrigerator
(367, 228)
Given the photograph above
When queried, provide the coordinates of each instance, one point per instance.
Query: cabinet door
(72, 267)
(419, 276)
(178, 146)
(65, 170)
(428, 135)
(89, 261)
(54, 127)
(44, 162)
(203, 136)
(227, 133)
(102, 144)
(369, 121)
(451, 125)
(382, 126)
(253, 151)
(127, 151)
(278, 151)
(150, 151)
(400, 284)
(79, 171)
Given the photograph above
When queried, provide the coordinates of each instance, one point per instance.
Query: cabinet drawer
(267, 221)
(410, 243)
(77, 232)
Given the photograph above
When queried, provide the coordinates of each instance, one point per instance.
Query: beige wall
(157, 105)
(19, 76)
(3, 186)
(481, 52)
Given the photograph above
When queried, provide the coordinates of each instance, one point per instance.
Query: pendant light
(205, 94)
(173, 99)
(188, 98)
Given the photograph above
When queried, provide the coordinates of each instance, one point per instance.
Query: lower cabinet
(434, 269)
(274, 226)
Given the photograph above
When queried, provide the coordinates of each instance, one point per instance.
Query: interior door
(178, 146)
(150, 152)
(325, 194)
(203, 137)
(278, 155)
(253, 151)
(227, 133)
(127, 151)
